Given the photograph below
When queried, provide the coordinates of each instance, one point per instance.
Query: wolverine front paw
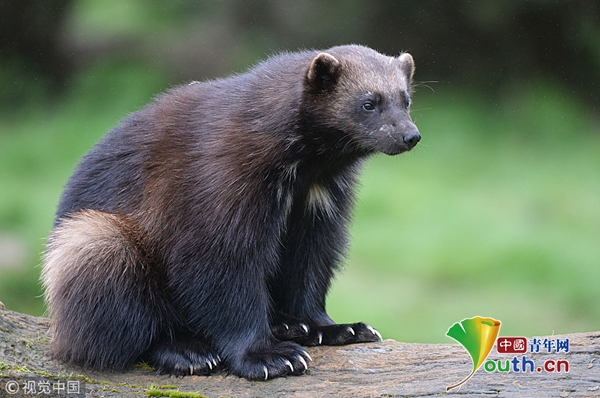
(284, 358)
(342, 334)
(289, 328)
(303, 334)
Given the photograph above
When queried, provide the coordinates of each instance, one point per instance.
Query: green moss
(106, 389)
(84, 379)
(173, 394)
(143, 366)
(44, 373)
(14, 368)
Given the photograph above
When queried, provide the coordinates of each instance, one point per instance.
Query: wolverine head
(365, 96)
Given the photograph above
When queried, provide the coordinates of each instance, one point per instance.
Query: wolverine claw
(307, 356)
(303, 362)
(289, 365)
(375, 332)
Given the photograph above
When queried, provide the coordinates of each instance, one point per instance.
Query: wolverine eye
(406, 100)
(368, 106)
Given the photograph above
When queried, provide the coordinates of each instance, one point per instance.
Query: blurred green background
(495, 213)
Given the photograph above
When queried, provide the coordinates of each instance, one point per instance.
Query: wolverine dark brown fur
(204, 230)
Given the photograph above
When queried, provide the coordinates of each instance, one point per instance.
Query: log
(384, 369)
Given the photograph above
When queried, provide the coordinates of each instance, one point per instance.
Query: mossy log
(385, 369)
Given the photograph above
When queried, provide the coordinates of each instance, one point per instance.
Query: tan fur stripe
(319, 198)
(82, 243)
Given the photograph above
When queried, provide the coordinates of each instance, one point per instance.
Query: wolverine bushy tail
(100, 291)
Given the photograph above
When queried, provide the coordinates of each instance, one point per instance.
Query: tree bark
(385, 369)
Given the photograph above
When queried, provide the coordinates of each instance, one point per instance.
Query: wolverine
(203, 231)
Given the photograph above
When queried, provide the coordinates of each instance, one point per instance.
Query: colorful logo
(522, 364)
(478, 336)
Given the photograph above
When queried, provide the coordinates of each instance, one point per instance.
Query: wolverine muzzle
(411, 139)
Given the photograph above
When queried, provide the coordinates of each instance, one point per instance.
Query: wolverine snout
(411, 139)
(393, 142)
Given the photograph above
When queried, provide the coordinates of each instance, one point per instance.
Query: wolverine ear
(323, 71)
(407, 64)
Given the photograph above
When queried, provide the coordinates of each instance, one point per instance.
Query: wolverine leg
(314, 245)
(229, 305)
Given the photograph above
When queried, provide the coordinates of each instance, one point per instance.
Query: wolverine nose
(412, 138)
